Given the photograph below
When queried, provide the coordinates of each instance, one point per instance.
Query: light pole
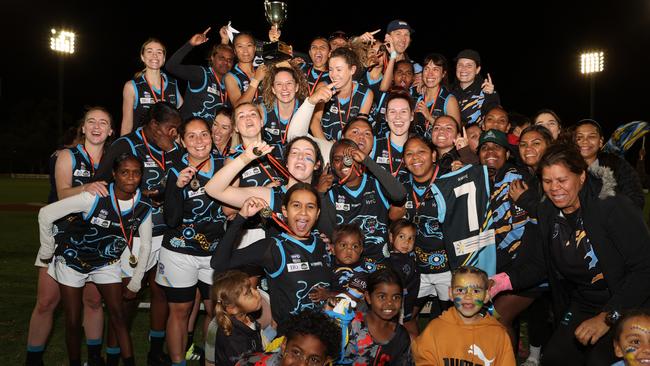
(591, 63)
(61, 42)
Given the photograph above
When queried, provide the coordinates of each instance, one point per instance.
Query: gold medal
(133, 261)
(195, 184)
(257, 151)
(266, 212)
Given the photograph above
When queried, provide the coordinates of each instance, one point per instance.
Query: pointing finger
(375, 32)
(464, 132)
(489, 78)
(207, 30)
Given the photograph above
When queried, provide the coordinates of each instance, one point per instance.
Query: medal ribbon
(161, 164)
(162, 89)
(282, 224)
(390, 160)
(128, 239)
(433, 106)
(311, 90)
(286, 130)
(90, 158)
(415, 197)
(223, 95)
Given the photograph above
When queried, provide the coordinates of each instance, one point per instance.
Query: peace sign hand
(199, 38)
(488, 86)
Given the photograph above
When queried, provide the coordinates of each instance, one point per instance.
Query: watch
(612, 317)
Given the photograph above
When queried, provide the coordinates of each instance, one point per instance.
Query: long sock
(129, 361)
(112, 356)
(534, 353)
(190, 340)
(156, 340)
(35, 355)
(94, 348)
(182, 363)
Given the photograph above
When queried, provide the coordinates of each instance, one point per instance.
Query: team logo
(334, 109)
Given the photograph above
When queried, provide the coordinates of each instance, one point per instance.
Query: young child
(376, 337)
(477, 338)
(235, 298)
(310, 338)
(632, 338)
(349, 273)
(401, 236)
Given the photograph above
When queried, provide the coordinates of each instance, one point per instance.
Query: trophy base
(275, 52)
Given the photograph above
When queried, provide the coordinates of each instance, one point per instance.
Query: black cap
(338, 34)
(399, 24)
(469, 54)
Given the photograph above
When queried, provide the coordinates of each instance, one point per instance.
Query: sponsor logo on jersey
(213, 89)
(316, 264)
(296, 258)
(250, 172)
(341, 206)
(146, 101)
(103, 213)
(334, 109)
(297, 267)
(100, 222)
(198, 192)
(272, 131)
(382, 160)
(81, 173)
(149, 163)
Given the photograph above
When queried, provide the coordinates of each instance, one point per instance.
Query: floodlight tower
(62, 43)
(592, 63)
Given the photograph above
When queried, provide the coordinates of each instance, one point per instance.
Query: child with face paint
(376, 337)
(478, 337)
(632, 338)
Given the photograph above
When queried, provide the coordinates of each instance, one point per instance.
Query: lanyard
(433, 106)
(311, 90)
(90, 158)
(415, 197)
(198, 167)
(119, 215)
(286, 130)
(390, 159)
(282, 224)
(162, 89)
(347, 115)
(161, 164)
(223, 95)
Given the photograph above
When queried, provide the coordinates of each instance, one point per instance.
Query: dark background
(530, 49)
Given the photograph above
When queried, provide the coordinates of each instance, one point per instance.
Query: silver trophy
(276, 14)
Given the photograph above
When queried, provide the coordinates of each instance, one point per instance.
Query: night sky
(529, 48)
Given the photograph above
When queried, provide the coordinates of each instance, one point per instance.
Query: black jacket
(627, 179)
(243, 339)
(473, 103)
(619, 237)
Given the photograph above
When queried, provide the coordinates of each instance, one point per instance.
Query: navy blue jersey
(373, 85)
(367, 207)
(351, 279)
(203, 220)
(243, 81)
(82, 168)
(274, 130)
(95, 239)
(146, 96)
(314, 77)
(154, 177)
(463, 197)
(389, 157)
(338, 112)
(405, 264)
(206, 100)
(259, 172)
(437, 108)
(295, 268)
(422, 209)
(508, 219)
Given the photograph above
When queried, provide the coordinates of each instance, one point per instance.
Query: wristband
(393, 55)
(501, 283)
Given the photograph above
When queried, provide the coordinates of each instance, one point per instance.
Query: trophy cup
(274, 52)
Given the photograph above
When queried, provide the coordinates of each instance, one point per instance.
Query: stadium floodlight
(592, 62)
(62, 41)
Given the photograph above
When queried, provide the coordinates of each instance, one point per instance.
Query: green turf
(18, 280)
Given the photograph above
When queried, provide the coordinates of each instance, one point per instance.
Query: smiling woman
(603, 269)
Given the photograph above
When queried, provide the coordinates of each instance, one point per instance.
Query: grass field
(18, 278)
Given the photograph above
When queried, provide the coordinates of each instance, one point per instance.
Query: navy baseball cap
(399, 24)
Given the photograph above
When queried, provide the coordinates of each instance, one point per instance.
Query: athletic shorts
(156, 244)
(73, 278)
(179, 270)
(435, 284)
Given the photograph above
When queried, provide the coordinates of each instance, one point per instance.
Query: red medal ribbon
(222, 95)
(162, 89)
(90, 158)
(284, 136)
(161, 164)
(128, 239)
(390, 160)
(311, 90)
(433, 179)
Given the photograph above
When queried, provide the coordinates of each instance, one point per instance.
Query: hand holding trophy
(274, 52)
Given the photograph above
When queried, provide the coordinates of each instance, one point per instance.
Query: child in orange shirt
(465, 334)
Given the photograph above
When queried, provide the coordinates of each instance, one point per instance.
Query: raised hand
(274, 33)
(200, 38)
(461, 140)
(252, 206)
(322, 94)
(185, 176)
(422, 108)
(256, 150)
(223, 33)
(487, 86)
(369, 37)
